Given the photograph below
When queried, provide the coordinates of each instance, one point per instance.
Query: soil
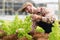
(23, 38)
(11, 37)
(2, 34)
(40, 36)
(35, 36)
(59, 22)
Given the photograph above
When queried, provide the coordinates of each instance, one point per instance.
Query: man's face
(28, 8)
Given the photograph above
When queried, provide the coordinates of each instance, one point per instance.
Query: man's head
(24, 6)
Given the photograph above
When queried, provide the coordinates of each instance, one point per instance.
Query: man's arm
(49, 18)
(48, 15)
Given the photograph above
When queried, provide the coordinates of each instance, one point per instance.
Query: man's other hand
(35, 17)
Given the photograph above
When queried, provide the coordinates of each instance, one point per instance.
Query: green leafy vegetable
(23, 26)
(23, 33)
(27, 23)
(55, 34)
(5, 27)
(39, 29)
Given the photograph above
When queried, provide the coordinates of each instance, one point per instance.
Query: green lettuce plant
(55, 34)
(39, 29)
(23, 33)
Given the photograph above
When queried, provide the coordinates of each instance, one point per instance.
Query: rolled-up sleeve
(49, 18)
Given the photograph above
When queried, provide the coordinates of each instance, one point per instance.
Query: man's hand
(36, 17)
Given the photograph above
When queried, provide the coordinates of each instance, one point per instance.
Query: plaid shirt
(47, 14)
(49, 18)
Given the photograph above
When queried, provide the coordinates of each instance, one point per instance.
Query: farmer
(41, 16)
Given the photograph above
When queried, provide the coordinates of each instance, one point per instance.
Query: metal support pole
(3, 10)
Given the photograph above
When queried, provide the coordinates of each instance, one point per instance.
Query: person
(41, 16)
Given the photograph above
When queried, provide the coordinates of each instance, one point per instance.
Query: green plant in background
(23, 33)
(15, 24)
(26, 27)
(55, 34)
(5, 27)
(23, 26)
(10, 27)
(1, 22)
(27, 23)
(18, 23)
(39, 29)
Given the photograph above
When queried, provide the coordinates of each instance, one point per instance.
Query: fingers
(35, 17)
